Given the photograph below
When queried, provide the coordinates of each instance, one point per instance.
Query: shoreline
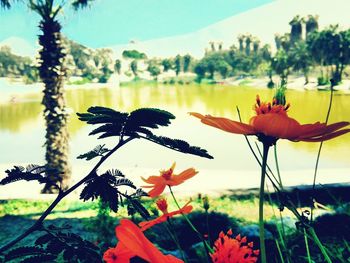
(225, 181)
(14, 89)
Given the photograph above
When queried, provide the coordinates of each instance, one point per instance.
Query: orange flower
(132, 242)
(167, 178)
(162, 205)
(233, 250)
(272, 123)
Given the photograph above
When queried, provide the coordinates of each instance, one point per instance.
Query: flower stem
(261, 204)
(173, 236)
(319, 244)
(277, 167)
(208, 249)
(62, 194)
(307, 247)
(320, 148)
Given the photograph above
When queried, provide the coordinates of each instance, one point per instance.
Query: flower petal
(184, 175)
(276, 125)
(133, 239)
(225, 124)
(157, 190)
(318, 129)
(325, 137)
(152, 179)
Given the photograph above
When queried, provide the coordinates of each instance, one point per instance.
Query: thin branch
(37, 225)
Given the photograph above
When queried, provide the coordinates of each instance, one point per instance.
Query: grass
(231, 210)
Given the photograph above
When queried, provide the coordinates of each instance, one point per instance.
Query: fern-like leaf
(31, 173)
(134, 205)
(179, 145)
(21, 252)
(40, 258)
(138, 124)
(99, 150)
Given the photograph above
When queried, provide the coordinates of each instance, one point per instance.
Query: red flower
(233, 250)
(158, 183)
(132, 242)
(272, 121)
(162, 205)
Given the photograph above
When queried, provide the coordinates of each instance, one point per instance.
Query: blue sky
(109, 22)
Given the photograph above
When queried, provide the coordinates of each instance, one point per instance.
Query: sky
(111, 22)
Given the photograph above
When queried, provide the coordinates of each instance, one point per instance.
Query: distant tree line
(12, 65)
(303, 50)
(326, 51)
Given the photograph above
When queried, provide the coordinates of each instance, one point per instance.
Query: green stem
(208, 249)
(277, 167)
(261, 204)
(173, 236)
(307, 247)
(279, 251)
(320, 148)
(319, 244)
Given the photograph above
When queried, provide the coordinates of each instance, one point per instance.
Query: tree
(248, 41)
(187, 62)
(117, 66)
(223, 68)
(52, 73)
(133, 67)
(300, 59)
(134, 54)
(311, 24)
(200, 69)
(167, 64)
(177, 64)
(296, 29)
(256, 43)
(240, 41)
(153, 69)
(281, 65)
(330, 48)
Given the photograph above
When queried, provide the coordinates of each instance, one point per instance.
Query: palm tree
(248, 41)
(240, 41)
(52, 73)
(311, 24)
(296, 29)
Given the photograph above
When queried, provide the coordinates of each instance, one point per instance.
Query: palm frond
(77, 4)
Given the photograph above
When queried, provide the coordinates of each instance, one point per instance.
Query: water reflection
(23, 119)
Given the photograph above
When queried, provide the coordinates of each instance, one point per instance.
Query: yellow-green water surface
(22, 126)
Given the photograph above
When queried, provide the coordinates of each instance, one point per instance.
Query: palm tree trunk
(52, 73)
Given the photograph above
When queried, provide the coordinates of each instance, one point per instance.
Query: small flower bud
(205, 201)
(162, 205)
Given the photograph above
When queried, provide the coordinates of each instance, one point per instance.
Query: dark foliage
(56, 245)
(99, 150)
(137, 124)
(106, 187)
(178, 145)
(31, 173)
(134, 204)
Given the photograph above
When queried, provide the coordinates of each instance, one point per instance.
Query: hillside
(262, 22)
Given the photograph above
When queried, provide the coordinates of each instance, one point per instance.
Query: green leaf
(179, 145)
(99, 150)
(30, 173)
(24, 252)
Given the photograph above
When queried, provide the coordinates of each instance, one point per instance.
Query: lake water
(22, 127)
